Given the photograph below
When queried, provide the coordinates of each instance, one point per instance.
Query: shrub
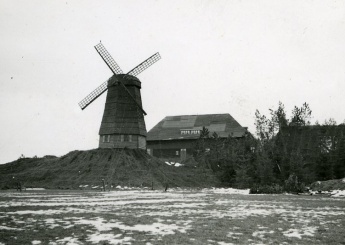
(6, 187)
(49, 157)
(292, 185)
(266, 189)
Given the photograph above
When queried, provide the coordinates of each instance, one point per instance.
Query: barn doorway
(183, 154)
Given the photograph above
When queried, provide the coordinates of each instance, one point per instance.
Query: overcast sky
(217, 57)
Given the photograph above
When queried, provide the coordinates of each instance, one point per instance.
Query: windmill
(123, 122)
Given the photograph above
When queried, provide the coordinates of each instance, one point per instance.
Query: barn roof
(188, 127)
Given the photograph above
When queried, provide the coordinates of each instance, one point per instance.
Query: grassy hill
(117, 167)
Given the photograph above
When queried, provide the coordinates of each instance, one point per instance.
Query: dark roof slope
(188, 127)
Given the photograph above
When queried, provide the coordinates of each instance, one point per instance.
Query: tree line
(285, 154)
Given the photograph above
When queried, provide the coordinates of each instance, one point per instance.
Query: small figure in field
(19, 186)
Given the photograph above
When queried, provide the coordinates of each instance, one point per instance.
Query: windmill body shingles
(121, 114)
(123, 124)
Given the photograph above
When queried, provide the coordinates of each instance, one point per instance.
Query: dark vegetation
(131, 168)
(285, 155)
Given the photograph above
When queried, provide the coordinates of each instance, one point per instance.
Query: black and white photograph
(215, 122)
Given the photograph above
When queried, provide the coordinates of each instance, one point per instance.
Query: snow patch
(49, 211)
(175, 164)
(338, 193)
(292, 233)
(298, 233)
(110, 238)
(51, 223)
(234, 234)
(97, 223)
(228, 191)
(261, 234)
(9, 228)
(155, 228)
(67, 241)
(226, 243)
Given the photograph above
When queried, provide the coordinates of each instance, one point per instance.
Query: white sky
(217, 57)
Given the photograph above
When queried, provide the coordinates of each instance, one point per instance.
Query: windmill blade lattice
(116, 70)
(114, 67)
(144, 65)
(93, 95)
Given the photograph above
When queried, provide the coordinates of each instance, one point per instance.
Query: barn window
(186, 131)
(106, 138)
(122, 138)
(130, 138)
(177, 153)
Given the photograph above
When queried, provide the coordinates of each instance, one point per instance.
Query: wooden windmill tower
(123, 122)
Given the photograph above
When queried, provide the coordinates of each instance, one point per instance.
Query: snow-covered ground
(338, 193)
(334, 193)
(175, 164)
(155, 217)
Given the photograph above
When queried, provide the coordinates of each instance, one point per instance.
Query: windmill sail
(93, 95)
(111, 63)
(144, 65)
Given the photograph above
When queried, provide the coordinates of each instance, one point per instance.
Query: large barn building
(174, 137)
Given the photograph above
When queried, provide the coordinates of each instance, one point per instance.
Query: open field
(208, 216)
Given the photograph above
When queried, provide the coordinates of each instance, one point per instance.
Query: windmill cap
(127, 80)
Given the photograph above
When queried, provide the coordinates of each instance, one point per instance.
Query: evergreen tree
(301, 116)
